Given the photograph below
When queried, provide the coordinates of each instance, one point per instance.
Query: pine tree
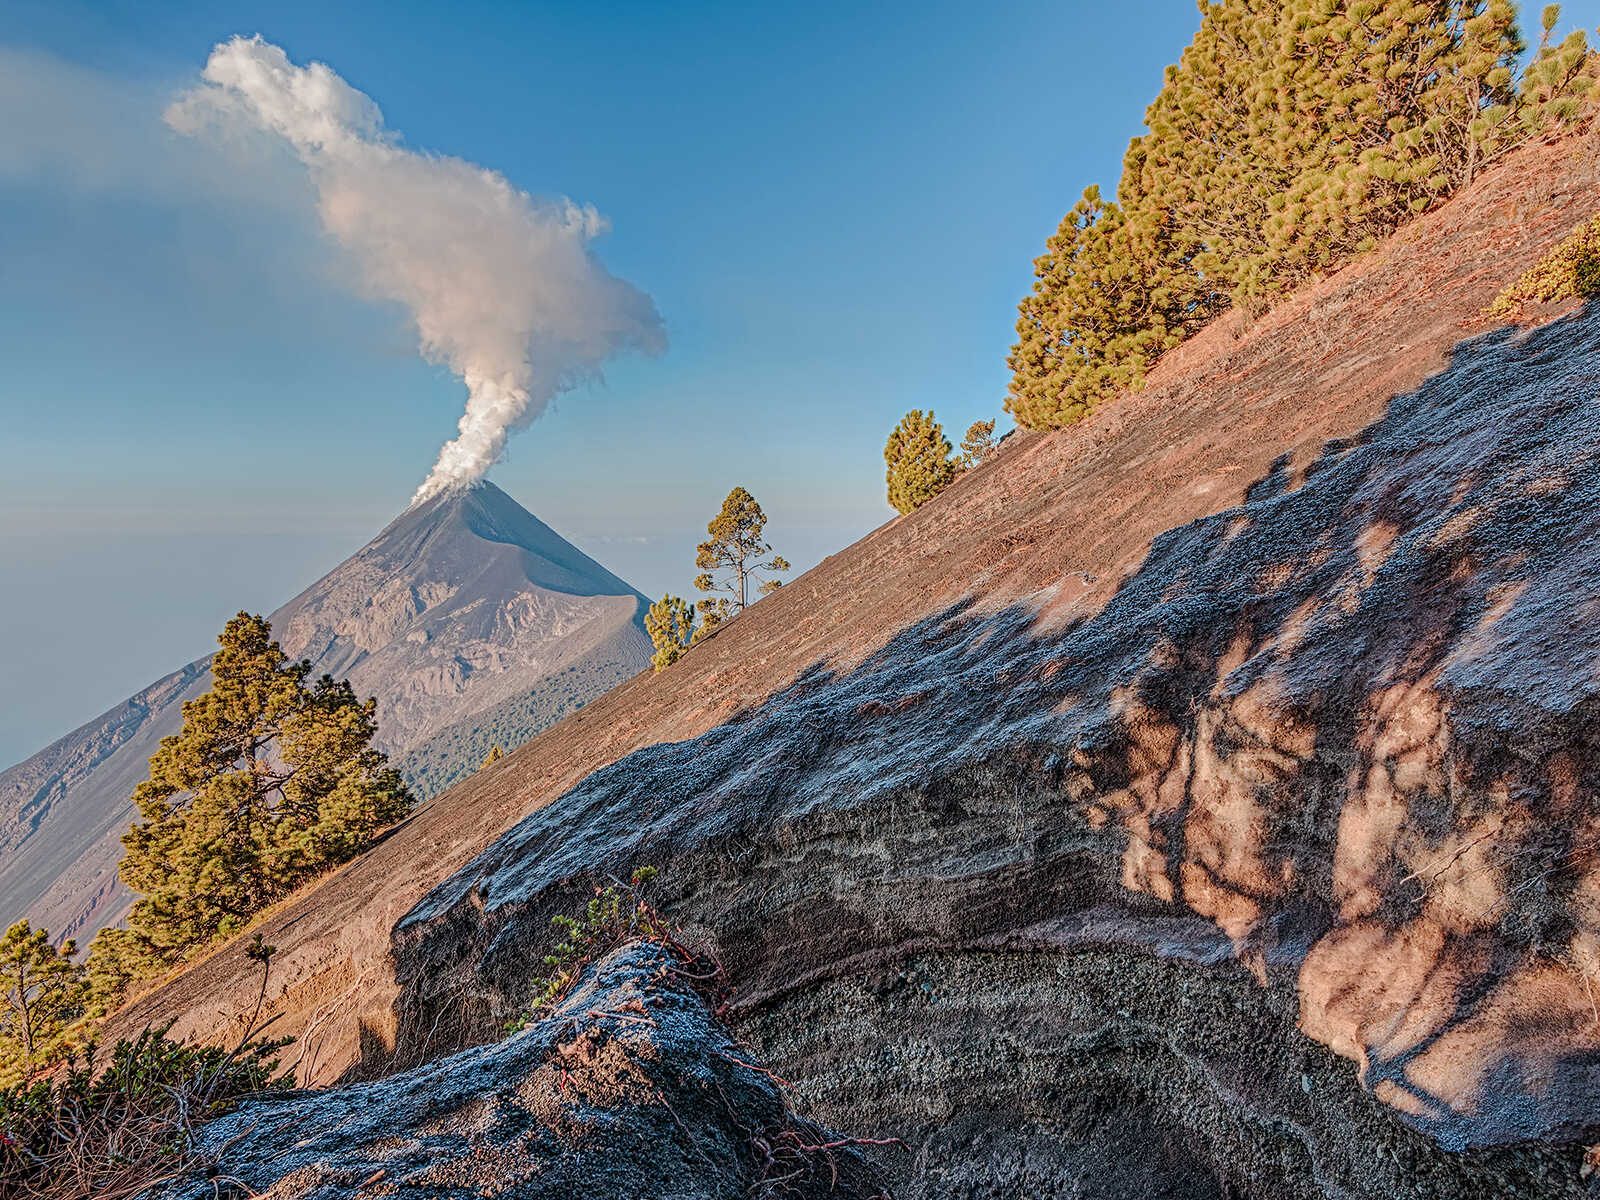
(42, 998)
(1561, 82)
(1398, 105)
(713, 614)
(670, 624)
(269, 782)
(495, 755)
(1115, 291)
(1291, 135)
(1211, 163)
(735, 547)
(118, 958)
(917, 455)
(977, 445)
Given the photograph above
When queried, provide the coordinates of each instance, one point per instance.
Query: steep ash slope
(1341, 738)
(1060, 523)
(462, 605)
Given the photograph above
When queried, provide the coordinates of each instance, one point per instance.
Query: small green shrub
(977, 446)
(670, 624)
(1568, 270)
(618, 914)
(112, 1134)
(917, 456)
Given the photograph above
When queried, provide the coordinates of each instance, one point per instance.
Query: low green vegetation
(1569, 270)
(111, 1130)
(92, 1134)
(617, 914)
(671, 626)
(1290, 136)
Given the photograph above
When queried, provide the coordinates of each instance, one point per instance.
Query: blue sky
(835, 208)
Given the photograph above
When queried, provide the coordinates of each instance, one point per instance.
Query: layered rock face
(1276, 874)
(630, 1088)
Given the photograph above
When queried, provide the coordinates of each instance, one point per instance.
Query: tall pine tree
(732, 556)
(270, 781)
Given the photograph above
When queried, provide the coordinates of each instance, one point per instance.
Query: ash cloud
(503, 288)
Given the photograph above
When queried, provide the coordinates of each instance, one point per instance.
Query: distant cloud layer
(503, 288)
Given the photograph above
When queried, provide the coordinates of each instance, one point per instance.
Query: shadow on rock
(1325, 760)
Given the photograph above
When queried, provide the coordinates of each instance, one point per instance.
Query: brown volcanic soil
(1074, 511)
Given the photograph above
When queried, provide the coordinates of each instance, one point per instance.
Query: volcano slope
(1197, 801)
(467, 618)
(1328, 756)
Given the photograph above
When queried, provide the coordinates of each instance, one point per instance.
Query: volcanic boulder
(630, 1088)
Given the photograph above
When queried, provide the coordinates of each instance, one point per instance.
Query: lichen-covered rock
(1080, 899)
(630, 1089)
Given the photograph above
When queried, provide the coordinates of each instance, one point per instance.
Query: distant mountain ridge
(466, 605)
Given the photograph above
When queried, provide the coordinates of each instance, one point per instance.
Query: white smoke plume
(503, 288)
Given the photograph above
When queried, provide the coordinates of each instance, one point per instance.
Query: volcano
(472, 622)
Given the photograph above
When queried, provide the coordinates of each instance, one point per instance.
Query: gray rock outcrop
(629, 1090)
